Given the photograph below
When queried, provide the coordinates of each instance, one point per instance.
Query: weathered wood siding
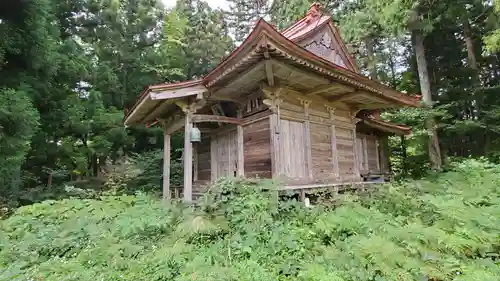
(345, 147)
(321, 151)
(384, 154)
(203, 159)
(369, 152)
(373, 154)
(226, 154)
(293, 150)
(257, 149)
(323, 163)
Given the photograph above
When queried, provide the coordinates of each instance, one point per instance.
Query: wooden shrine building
(288, 105)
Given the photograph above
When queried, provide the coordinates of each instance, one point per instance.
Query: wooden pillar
(356, 156)
(240, 148)
(365, 154)
(213, 158)
(273, 100)
(195, 162)
(377, 154)
(188, 160)
(307, 135)
(274, 124)
(166, 166)
(335, 153)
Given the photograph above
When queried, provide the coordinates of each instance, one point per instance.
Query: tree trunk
(478, 96)
(469, 43)
(372, 66)
(425, 87)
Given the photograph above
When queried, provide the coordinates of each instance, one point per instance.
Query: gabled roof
(313, 19)
(266, 42)
(264, 38)
(313, 22)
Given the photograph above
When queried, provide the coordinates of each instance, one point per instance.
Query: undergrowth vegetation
(444, 228)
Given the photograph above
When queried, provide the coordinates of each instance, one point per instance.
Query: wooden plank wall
(293, 150)
(257, 149)
(203, 150)
(321, 150)
(226, 154)
(202, 167)
(372, 151)
(368, 147)
(345, 146)
(323, 165)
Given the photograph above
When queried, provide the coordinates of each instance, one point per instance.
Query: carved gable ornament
(323, 45)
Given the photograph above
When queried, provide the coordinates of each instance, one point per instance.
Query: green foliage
(142, 170)
(19, 121)
(443, 228)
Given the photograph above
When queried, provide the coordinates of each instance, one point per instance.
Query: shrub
(444, 228)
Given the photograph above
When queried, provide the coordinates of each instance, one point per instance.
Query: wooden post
(335, 153)
(302, 195)
(275, 144)
(166, 166)
(307, 135)
(377, 154)
(213, 158)
(240, 147)
(188, 160)
(356, 156)
(365, 154)
(273, 100)
(195, 162)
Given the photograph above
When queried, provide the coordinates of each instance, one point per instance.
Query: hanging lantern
(195, 135)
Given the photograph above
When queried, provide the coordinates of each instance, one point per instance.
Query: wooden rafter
(342, 97)
(174, 125)
(326, 88)
(200, 118)
(178, 93)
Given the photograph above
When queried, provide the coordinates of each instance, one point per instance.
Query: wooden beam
(174, 125)
(188, 160)
(377, 154)
(166, 166)
(269, 73)
(365, 154)
(343, 97)
(274, 123)
(316, 77)
(201, 118)
(157, 110)
(178, 93)
(307, 127)
(328, 87)
(195, 162)
(213, 158)
(131, 116)
(240, 147)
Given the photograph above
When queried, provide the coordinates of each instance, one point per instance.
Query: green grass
(445, 228)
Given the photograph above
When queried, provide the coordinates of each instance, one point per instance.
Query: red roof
(314, 20)
(304, 26)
